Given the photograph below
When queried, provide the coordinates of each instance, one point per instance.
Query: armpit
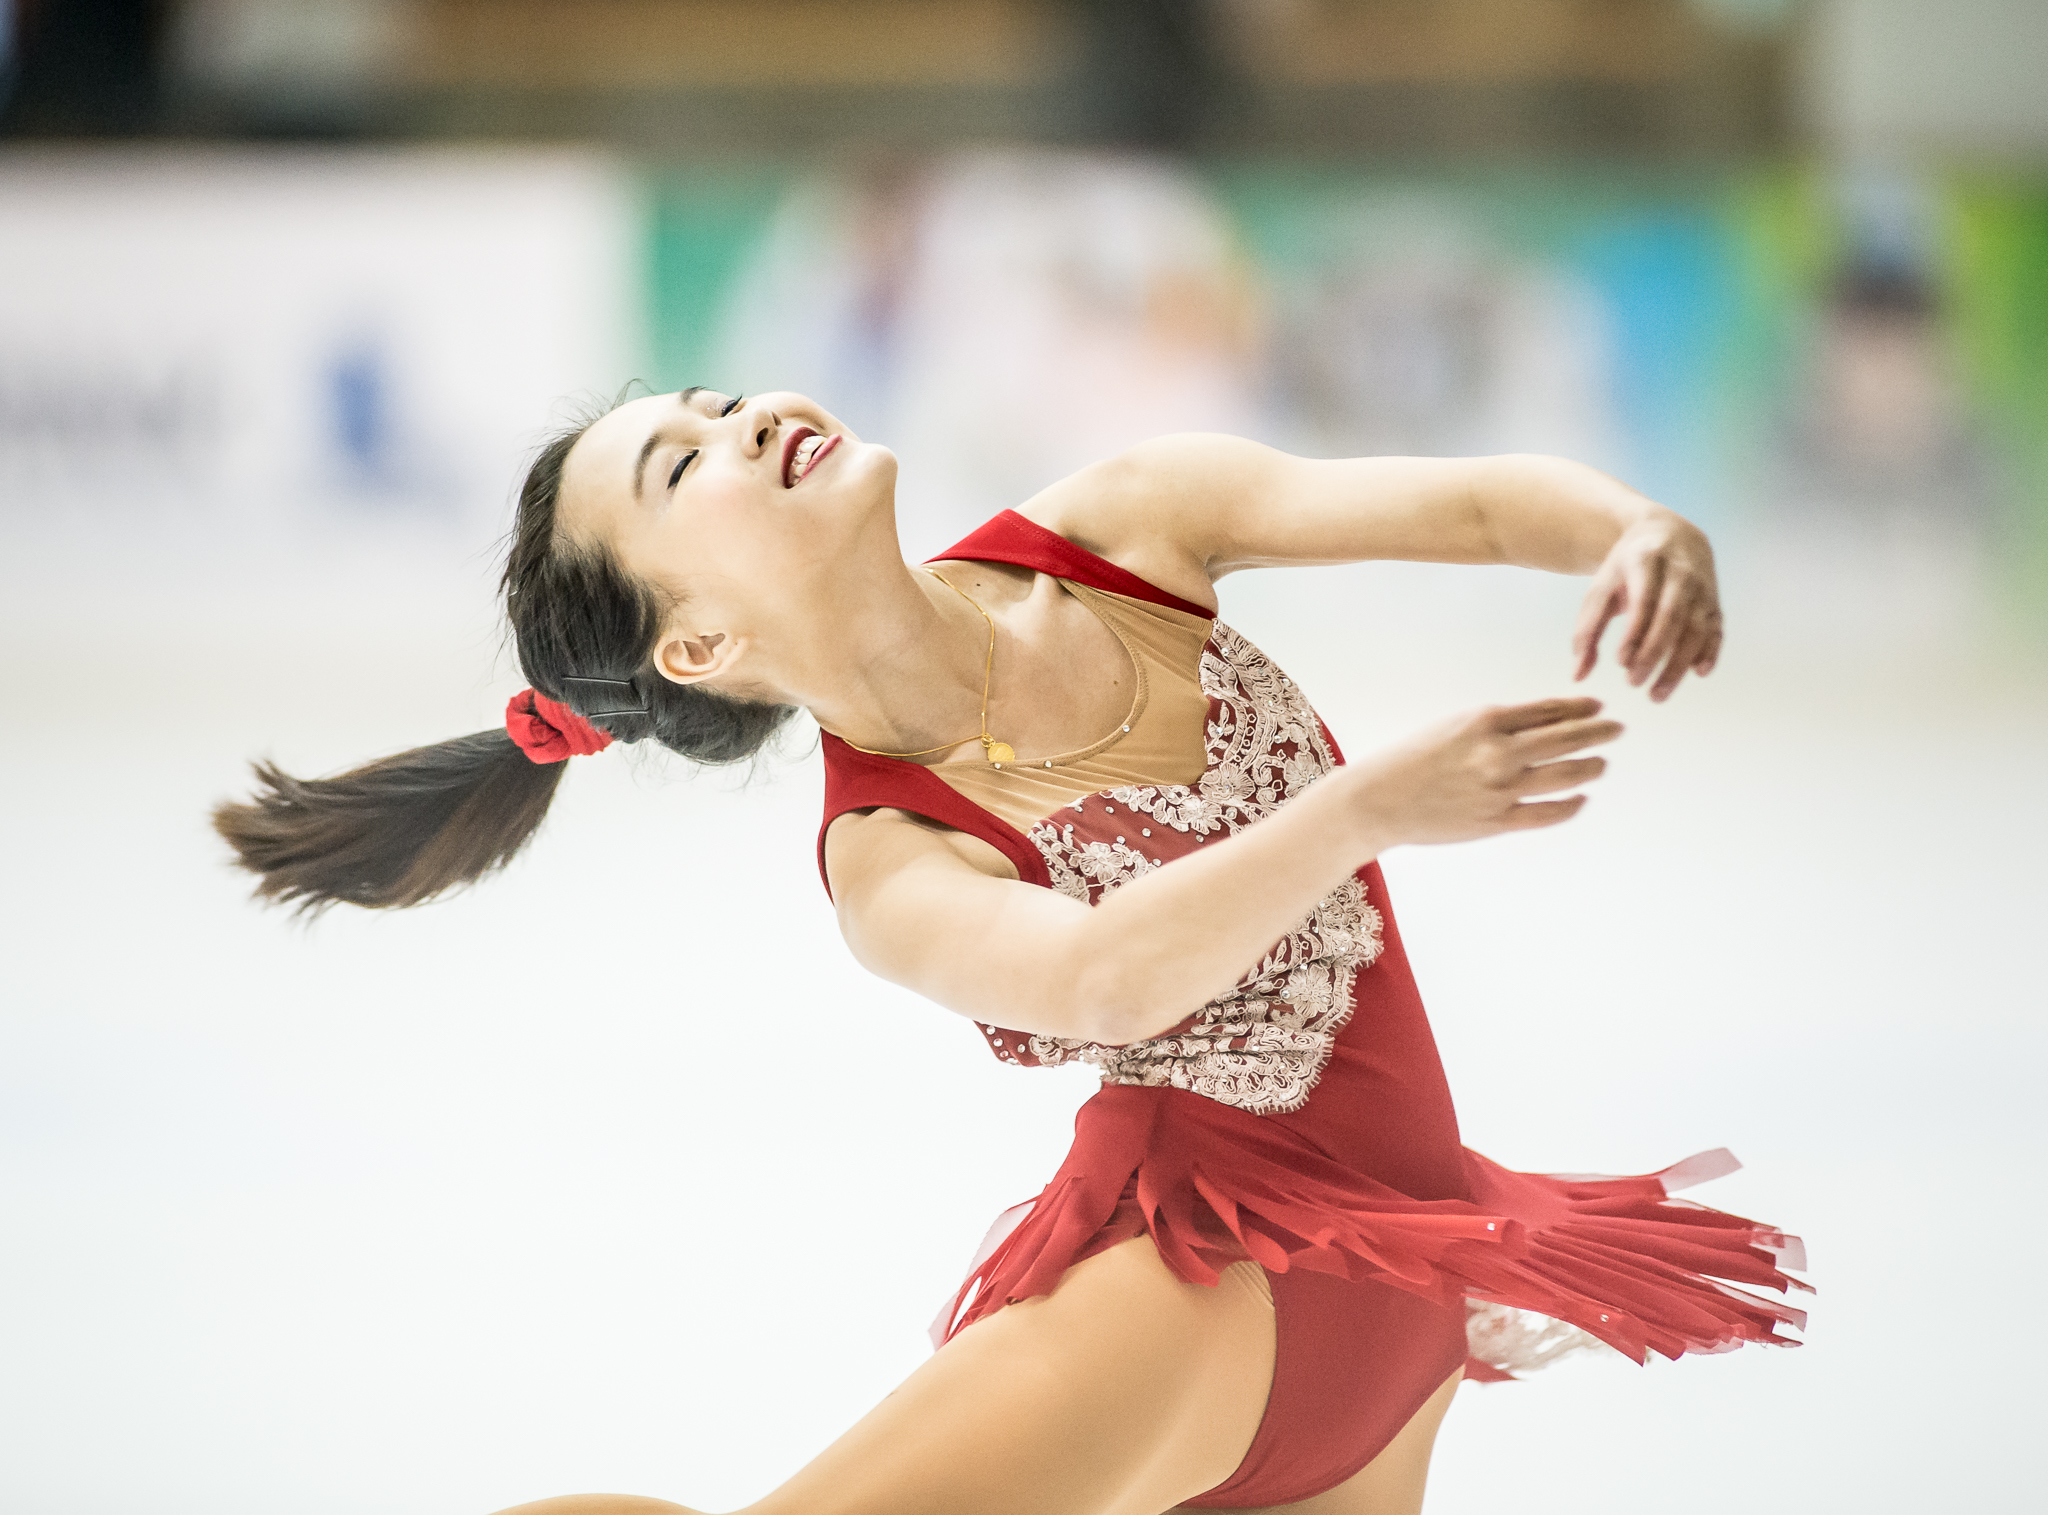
(868, 845)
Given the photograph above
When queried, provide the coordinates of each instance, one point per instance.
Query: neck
(901, 668)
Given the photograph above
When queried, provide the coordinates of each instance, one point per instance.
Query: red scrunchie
(550, 732)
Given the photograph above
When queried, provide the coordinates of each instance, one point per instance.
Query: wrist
(1556, 514)
(1648, 515)
(1366, 824)
(1669, 535)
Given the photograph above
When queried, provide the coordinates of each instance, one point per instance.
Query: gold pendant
(1000, 752)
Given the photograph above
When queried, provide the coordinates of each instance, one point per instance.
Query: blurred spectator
(1882, 427)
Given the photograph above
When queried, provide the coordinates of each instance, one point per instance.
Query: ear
(691, 659)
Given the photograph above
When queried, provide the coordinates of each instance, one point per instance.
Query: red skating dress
(1303, 1120)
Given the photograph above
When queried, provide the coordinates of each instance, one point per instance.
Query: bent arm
(1215, 504)
(1183, 511)
(916, 911)
(931, 910)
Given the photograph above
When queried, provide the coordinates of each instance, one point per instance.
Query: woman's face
(745, 510)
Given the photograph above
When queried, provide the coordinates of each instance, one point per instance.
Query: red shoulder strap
(856, 780)
(1010, 538)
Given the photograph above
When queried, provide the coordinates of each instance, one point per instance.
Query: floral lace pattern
(1261, 1046)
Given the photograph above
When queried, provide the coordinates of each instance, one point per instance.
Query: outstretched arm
(1183, 511)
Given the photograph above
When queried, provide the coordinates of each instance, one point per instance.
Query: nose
(758, 425)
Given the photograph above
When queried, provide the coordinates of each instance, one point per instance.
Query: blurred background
(432, 1214)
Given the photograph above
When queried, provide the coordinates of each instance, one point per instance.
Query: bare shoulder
(1162, 509)
(864, 849)
(909, 892)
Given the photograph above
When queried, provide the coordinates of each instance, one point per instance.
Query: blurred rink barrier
(1772, 350)
(302, 340)
(236, 344)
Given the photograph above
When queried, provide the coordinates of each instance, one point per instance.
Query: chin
(873, 459)
(866, 487)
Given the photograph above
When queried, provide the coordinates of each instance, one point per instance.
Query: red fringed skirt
(1395, 1253)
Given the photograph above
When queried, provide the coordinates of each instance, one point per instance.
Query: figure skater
(1066, 802)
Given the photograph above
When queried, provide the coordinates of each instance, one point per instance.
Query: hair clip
(610, 689)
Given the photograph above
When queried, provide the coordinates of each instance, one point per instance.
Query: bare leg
(1121, 1393)
(1392, 1483)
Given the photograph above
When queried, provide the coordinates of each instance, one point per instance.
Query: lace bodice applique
(1262, 1046)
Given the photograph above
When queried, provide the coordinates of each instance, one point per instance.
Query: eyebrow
(654, 440)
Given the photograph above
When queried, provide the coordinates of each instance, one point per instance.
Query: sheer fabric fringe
(1504, 1342)
(1598, 1259)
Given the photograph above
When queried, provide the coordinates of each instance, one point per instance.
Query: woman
(1064, 802)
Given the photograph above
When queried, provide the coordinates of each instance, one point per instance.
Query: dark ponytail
(406, 828)
(391, 833)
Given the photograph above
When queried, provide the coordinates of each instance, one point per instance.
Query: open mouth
(801, 452)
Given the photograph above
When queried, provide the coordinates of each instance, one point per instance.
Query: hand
(1474, 776)
(1661, 573)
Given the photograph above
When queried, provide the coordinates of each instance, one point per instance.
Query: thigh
(1121, 1393)
(1393, 1482)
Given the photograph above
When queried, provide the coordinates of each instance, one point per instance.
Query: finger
(1683, 656)
(1645, 576)
(1550, 778)
(1674, 614)
(1704, 665)
(1602, 603)
(1546, 742)
(1512, 718)
(1531, 814)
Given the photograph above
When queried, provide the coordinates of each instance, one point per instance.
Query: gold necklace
(998, 753)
